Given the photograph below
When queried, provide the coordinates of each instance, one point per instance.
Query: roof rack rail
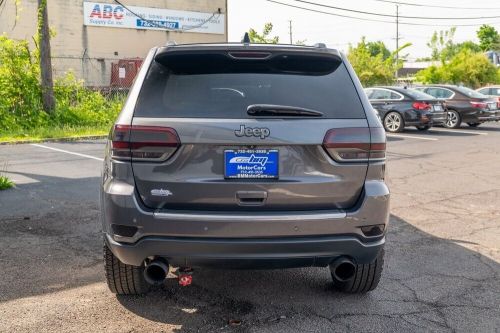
(320, 45)
(171, 43)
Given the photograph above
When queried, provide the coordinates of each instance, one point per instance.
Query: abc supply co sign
(116, 16)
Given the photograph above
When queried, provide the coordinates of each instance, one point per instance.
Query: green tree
(264, 37)
(467, 68)
(439, 41)
(373, 69)
(376, 48)
(489, 39)
(443, 47)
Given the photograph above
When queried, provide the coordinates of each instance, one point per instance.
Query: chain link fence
(112, 77)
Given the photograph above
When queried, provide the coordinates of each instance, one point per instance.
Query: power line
(393, 16)
(156, 25)
(381, 21)
(435, 6)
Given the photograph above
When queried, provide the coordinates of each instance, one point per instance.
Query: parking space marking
(411, 137)
(457, 131)
(68, 152)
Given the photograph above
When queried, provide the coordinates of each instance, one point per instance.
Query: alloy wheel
(393, 122)
(452, 119)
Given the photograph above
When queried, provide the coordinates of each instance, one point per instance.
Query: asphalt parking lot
(442, 269)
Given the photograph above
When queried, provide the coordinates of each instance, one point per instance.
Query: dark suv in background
(399, 107)
(245, 156)
(464, 105)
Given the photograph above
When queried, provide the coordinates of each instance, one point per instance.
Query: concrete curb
(63, 139)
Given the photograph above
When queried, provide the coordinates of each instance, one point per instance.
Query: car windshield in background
(470, 92)
(166, 93)
(415, 94)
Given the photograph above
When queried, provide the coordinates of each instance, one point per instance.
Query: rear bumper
(489, 118)
(481, 116)
(243, 239)
(246, 253)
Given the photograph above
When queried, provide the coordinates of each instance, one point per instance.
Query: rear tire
(123, 279)
(423, 127)
(394, 122)
(453, 119)
(473, 124)
(366, 277)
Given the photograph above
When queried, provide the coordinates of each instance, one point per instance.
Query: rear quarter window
(227, 95)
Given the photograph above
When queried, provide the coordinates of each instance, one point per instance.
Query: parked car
(246, 156)
(399, 107)
(464, 105)
(491, 91)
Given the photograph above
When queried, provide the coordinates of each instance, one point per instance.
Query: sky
(338, 32)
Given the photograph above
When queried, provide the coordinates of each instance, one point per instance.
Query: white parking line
(456, 131)
(411, 137)
(68, 152)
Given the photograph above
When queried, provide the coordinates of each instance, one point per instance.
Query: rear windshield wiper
(281, 110)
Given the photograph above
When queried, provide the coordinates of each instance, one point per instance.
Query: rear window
(415, 94)
(470, 93)
(227, 94)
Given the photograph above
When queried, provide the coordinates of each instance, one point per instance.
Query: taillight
(479, 105)
(143, 143)
(421, 106)
(498, 102)
(356, 144)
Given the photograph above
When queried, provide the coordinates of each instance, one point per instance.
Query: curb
(63, 139)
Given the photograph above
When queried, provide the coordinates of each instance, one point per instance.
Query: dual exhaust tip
(155, 273)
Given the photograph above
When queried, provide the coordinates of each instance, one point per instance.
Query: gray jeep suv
(244, 156)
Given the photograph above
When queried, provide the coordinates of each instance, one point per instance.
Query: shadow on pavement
(425, 280)
(49, 236)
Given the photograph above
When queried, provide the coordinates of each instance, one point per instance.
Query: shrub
(21, 100)
(466, 67)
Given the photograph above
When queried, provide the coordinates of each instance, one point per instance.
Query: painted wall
(88, 51)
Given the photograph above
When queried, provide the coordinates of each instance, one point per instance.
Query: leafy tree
(467, 68)
(376, 48)
(373, 69)
(255, 37)
(439, 41)
(453, 49)
(443, 47)
(489, 39)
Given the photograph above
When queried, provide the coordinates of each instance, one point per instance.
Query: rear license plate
(492, 106)
(438, 108)
(251, 163)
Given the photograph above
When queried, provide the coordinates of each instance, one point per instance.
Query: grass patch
(57, 132)
(79, 110)
(5, 183)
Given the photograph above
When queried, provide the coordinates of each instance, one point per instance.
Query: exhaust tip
(156, 272)
(343, 269)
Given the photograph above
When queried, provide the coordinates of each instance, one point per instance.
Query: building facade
(91, 36)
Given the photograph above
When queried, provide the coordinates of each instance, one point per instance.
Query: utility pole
(290, 29)
(397, 38)
(47, 83)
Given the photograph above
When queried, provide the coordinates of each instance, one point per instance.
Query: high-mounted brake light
(356, 144)
(421, 106)
(249, 55)
(143, 143)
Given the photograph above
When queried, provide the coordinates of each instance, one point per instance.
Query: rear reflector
(356, 144)
(143, 143)
(373, 230)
